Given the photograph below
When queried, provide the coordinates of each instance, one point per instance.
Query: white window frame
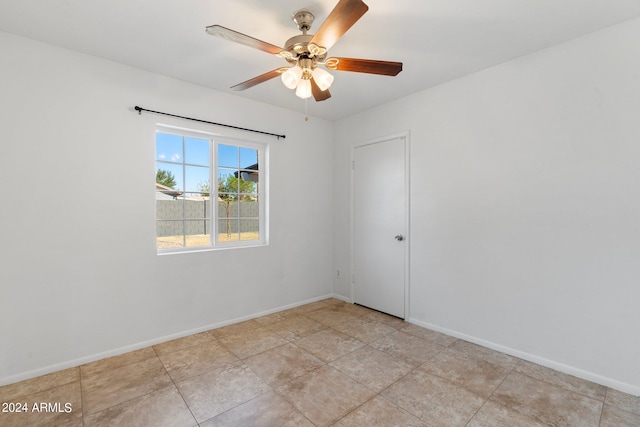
(263, 188)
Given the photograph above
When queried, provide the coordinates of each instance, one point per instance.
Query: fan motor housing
(297, 45)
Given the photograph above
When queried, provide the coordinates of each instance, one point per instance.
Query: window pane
(197, 179)
(228, 156)
(196, 207)
(227, 181)
(227, 207)
(249, 209)
(248, 158)
(249, 229)
(228, 230)
(250, 176)
(248, 188)
(168, 147)
(170, 234)
(168, 207)
(198, 233)
(169, 175)
(196, 151)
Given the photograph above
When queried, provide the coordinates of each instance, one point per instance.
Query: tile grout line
(379, 394)
(133, 398)
(239, 360)
(176, 385)
(562, 386)
(357, 407)
(81, 395)
(21, 396)
(604, 400)
(324, 365)
(493, 392)
(274, 389)
(239, 404)
(408, 373)
(242, 362)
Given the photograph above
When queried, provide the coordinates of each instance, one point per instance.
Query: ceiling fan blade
(260, 79)
(369, 66)
(234, 36)
(342, 17)
(319, 95)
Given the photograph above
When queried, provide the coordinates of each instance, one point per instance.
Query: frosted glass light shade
(322, 78)
(291, 77)
(304, 89)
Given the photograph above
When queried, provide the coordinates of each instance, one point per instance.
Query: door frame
(405, 136)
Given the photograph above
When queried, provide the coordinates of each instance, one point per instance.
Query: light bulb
(291, 77)
(304, 89)
(322, 78)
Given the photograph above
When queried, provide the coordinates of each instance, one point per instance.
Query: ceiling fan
(307, 52)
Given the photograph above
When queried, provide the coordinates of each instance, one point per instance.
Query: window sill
(210, 248)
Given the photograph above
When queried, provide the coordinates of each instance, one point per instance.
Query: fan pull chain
(306, 109)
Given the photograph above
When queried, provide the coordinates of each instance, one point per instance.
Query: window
(192, 214)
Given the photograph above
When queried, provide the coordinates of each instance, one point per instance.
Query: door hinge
(353, 164)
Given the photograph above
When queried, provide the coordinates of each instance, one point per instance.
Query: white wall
(81, 279)
(525, 205)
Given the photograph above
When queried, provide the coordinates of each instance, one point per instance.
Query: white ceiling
(437, 40)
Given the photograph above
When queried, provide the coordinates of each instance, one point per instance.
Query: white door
(380, 225)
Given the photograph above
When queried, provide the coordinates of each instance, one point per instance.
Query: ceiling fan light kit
(303, 90)
(292, 77)
(298, 77)
(322, 78)
(306, 53)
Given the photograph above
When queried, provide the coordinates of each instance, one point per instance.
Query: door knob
(399, 237)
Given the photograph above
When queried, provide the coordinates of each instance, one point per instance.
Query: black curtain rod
(140, 110)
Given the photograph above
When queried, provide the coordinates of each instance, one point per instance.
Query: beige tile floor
(323, 364)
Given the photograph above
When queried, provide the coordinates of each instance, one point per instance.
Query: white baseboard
(342, 298)
(121, 350)
(585, 375)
